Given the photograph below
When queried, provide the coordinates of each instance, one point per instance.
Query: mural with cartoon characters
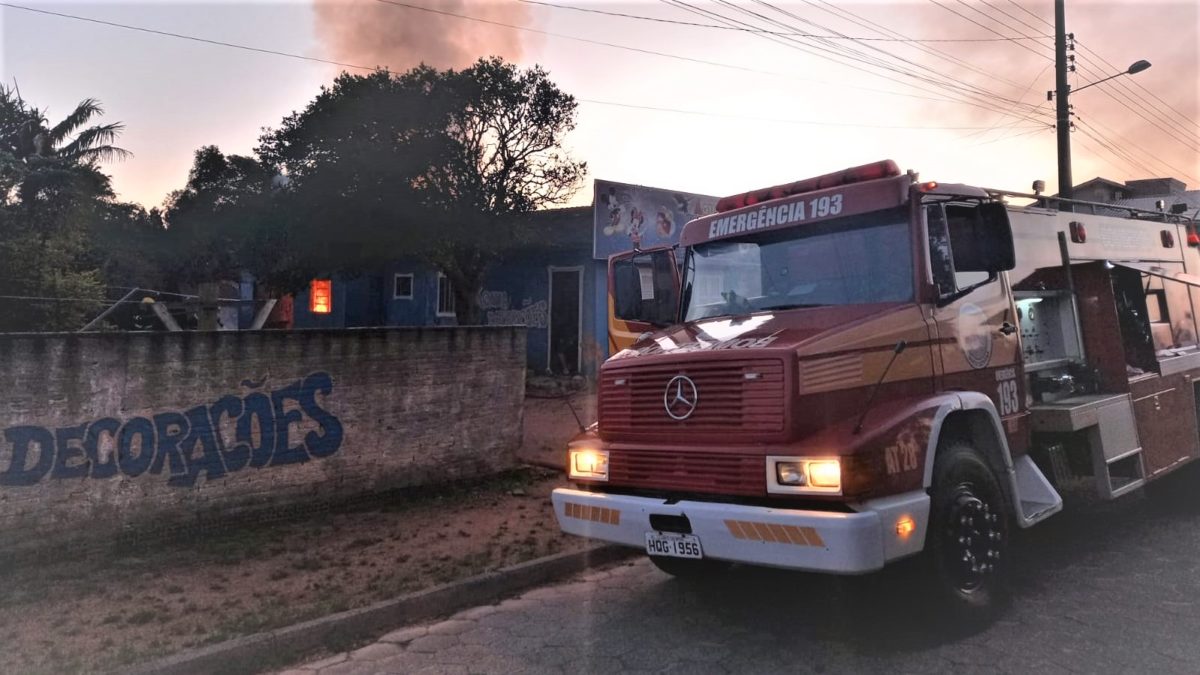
(633, 216)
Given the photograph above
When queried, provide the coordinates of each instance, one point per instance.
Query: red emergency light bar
(884, 169)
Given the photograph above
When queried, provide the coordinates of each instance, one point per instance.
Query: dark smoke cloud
(372, 33)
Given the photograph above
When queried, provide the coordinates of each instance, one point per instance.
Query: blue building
(556, 283)
(552, 285)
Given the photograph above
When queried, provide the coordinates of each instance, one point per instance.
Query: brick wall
(103, 435)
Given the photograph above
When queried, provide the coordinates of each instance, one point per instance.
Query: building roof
(1174, 193)
(569, 227)
(1100, 180)
(1191, 198)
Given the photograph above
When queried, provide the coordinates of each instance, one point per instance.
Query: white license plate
(673, 545)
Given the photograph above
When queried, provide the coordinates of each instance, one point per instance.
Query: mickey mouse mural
(633, 216)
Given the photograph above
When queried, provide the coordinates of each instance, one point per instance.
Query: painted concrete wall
(108, 433)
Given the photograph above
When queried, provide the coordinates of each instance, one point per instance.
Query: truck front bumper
(819, 541)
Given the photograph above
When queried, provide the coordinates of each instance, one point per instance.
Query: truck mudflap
(819, 541)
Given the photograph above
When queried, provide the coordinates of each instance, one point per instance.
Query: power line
(651, 52)
(597, 102)
(367, 68)
(1023, 23)
(221, 43)
(1097, 154)
(102, 301)
(1139, 85)
(1012, 136)
(1023, 9)
(987, 28)
(1080, 70)
(1192, 144)
(1023, 94)
(707, 113)
(859, 20)
(939, 78)
(835, 50)
(764, 31)
(1119, 83)
(181, 36)
(1085, 129)
(1144, 154)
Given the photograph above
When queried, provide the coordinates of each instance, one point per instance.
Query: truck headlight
(588, 463)
(790, 473)
(804, 475)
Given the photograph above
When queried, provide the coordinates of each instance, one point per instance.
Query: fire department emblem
(974, 335)
(681, 397)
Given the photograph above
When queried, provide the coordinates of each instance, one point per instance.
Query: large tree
(508, 126)
(224, 220)
(353, 159)
(51, 193)
(432, 163)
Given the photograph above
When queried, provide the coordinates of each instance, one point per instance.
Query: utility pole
(1062, 93)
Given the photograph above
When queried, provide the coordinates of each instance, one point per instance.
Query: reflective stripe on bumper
(847, 543)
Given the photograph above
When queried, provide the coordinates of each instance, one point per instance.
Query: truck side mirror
(984, 243)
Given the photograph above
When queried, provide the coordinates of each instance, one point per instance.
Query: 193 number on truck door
(1006, 392)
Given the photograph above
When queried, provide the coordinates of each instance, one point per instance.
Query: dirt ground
(84, 616)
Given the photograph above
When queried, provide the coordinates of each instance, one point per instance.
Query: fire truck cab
(861, 367)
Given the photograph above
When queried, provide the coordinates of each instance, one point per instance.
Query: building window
(321, 296)
(402, 287)
(445, 305)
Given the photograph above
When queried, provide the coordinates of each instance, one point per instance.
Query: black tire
(966, 557)
(682, 568)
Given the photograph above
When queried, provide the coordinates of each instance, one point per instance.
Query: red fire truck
(861, 367)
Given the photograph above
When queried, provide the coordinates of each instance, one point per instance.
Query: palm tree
(67, 153)
(91, 145)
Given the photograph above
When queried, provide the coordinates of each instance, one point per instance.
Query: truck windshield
(856, 260)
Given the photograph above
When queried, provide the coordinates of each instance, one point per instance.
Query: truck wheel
(690, 569)
(967, 544)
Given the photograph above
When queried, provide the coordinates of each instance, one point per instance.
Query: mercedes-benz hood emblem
(681, 397)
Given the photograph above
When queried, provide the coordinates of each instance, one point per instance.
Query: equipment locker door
(1166, 421)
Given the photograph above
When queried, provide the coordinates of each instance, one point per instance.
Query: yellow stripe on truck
(596, 514)
(777, 534)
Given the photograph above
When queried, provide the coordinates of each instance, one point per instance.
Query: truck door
(643, 294)
(974, 316)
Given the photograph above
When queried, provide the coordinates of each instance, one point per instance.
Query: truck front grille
(687, 471)
(746, 396)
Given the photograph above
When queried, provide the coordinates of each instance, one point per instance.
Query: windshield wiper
(792, 306)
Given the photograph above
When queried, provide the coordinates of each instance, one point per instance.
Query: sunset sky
(768, 114)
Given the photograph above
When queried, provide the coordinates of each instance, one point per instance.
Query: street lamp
(1066, 185)
(1135, 68)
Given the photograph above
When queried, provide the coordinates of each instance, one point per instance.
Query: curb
(282, 646)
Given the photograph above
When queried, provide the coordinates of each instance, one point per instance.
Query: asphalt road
(1098, 588)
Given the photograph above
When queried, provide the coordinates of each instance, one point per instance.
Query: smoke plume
(371, 33)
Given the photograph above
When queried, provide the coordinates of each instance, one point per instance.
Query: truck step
(1036, 497)
(1120, 475)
